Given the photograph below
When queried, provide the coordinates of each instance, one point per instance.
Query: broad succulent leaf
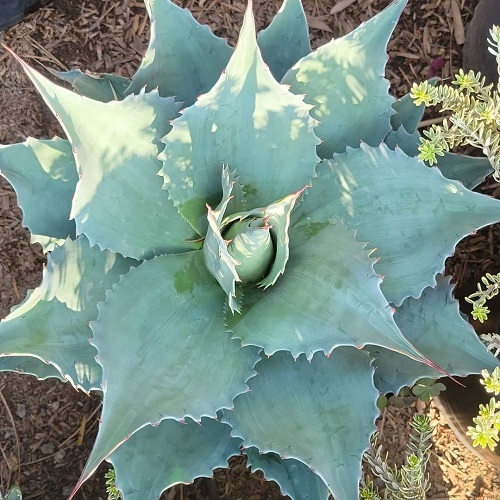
(400, 138)
(344, 81)
(219, 261)
(407, 114)
(13, 494)
(184, 59)
(171, 453)
(173, 334)
(248, 122)
(118, 203)
(31, 366)
(325, 428)
(43, 174)
(102, 87)
(316, 304)
(59, 310)
(410, 213)
(286, 39)
(449, 340)
(294, 478)
(469, 170)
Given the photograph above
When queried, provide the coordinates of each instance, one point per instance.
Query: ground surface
(46, 428)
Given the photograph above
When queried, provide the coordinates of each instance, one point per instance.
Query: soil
(47, 428)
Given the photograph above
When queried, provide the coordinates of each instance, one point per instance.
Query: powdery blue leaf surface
(329, 296)
(407, 115)
(249, 123)
(43, 174)
(306, 411)
(294, 478)
(169, 356)
(469, 170)
(102, 87)
(31, 366)
(410, 213)
(218, 260)
(119, 203)
(344, 81)
(286, 39)
(447, 339)
(184, 59)
(156, 458)
(57, 313)
(400, 138)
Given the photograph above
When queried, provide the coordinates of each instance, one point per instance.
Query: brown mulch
(47, 428)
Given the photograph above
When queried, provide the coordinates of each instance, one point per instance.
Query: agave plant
(247, 273)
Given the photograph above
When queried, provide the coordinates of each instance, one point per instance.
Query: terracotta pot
(475, 51)
(460, 404)
(13, 11)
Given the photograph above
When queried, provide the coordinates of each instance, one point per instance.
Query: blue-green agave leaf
(449, 340)
(219, 261)
(325, 428)
(410, 213)
(184, 59)
(31, 366)
(43, 174)
(278, 216)
(167, 357)
(13, 494)
(344, 81)
(286, 39)
(400, 138)
(407, 115)
(102, 87)
(57, 313)
(469, 170)
(329, 296)
(119, 203)
(294, 478)
(248, 122)
(156, 458)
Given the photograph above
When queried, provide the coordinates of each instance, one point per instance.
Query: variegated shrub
(250, 244)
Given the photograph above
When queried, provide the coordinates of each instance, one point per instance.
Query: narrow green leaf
(119, 203)
(102, 87)
(57, 313)
(43, 174)
(449, 340)
(184, 59)
(173, 358)
(31, 366)
(329, 296)
(294, 478)
(156, 458)
(248, 122)
(286, 39)
(410, 213)
(325, 428)
(344, 81)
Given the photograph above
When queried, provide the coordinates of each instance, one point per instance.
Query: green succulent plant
(252, 270)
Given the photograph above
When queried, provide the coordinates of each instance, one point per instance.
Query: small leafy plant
(410, 481)
(475, 113)
(243, 252)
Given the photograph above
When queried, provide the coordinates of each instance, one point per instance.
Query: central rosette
(247, 247)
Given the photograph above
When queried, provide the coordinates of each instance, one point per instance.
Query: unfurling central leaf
(247, 247)
(251, 245)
